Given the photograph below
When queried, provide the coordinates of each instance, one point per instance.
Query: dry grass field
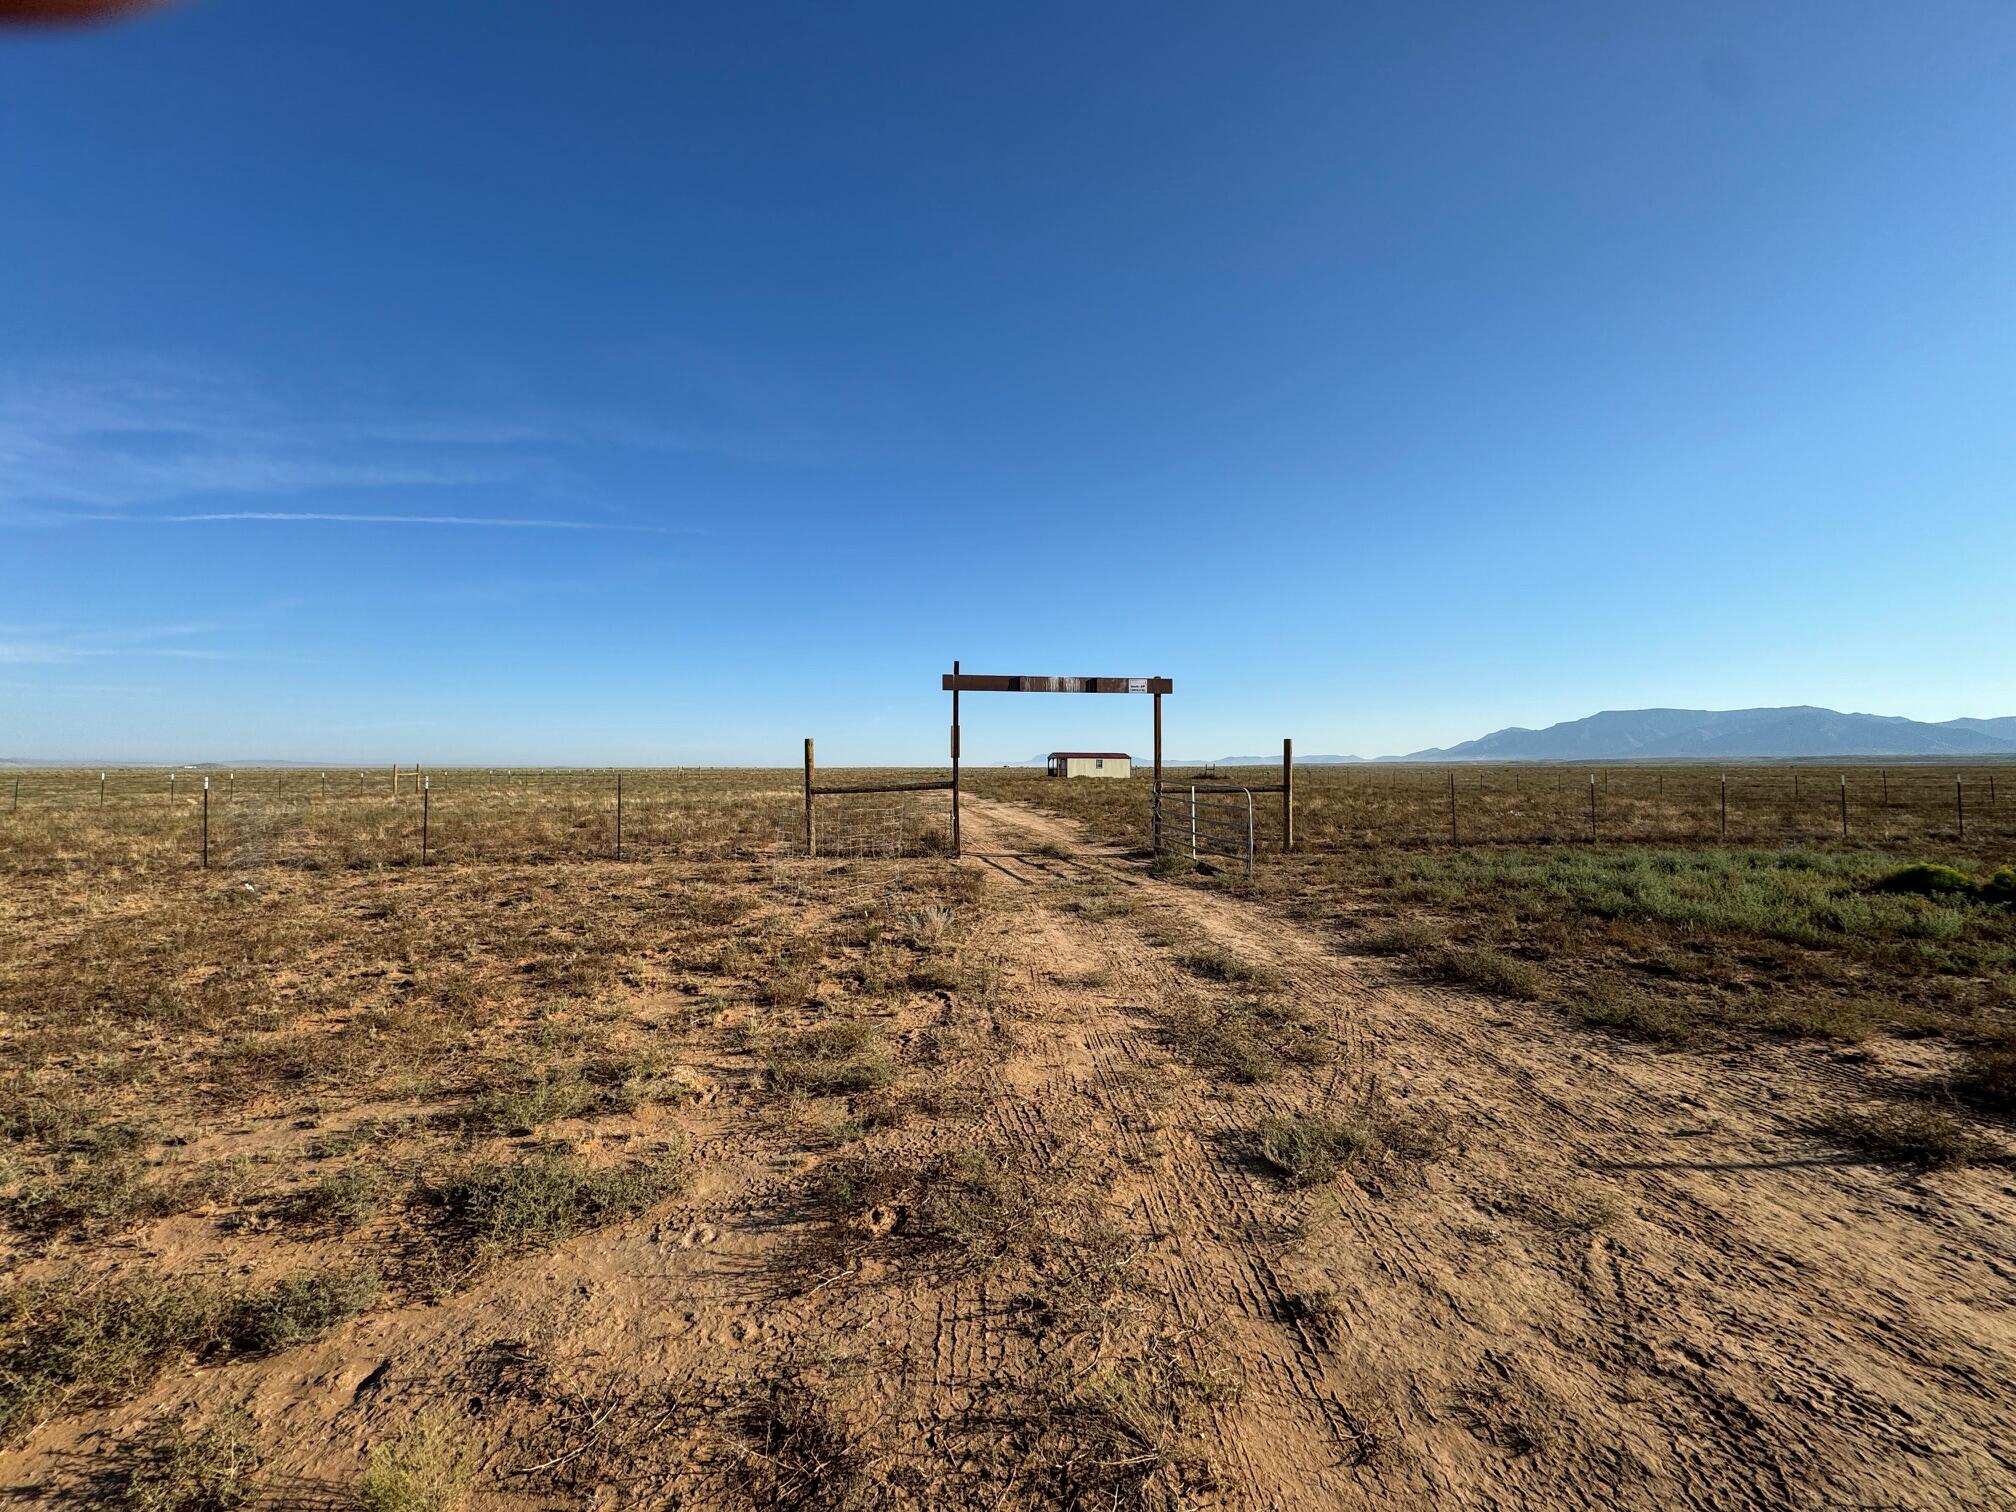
(1669, 1170)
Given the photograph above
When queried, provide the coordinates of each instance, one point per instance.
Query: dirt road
(1631, 1282)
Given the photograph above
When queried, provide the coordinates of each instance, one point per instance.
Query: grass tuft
(501, 1208)
(1989, 1078)
(1222, 966)
(426, 1469)
(1928, 1139)
(66, 1345)
(1309, 1149)
(1313, 1148)
(170, 1468)
(298, 1308)
(846, 1056)
(1490, 971)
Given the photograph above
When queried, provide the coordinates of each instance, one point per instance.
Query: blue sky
(514, 382)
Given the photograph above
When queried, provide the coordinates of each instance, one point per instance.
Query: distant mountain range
(1695, 735)
(1732, 734)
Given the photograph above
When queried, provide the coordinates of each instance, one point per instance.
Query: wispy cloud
(501, 522)
(125, 436)
(47, 646)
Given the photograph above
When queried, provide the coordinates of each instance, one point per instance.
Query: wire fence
(267, 817)
(250, 818)
(1352, 808)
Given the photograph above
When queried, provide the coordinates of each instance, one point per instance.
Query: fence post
(1193, 823)
(619, 816)
(1723, 832)
(811, 837)
(425, 784)
(17, 797)
(1249, 837)
(101, 790)
(1288, 795)
(955, 760)
(206, 824)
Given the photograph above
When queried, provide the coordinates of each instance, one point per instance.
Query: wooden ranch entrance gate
(1161, 834)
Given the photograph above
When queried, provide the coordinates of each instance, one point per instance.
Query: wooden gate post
(1155, 811)
(811, 842)
(955, 762)
(1287, 795)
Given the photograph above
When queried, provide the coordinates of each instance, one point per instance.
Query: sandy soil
(1627, 1280)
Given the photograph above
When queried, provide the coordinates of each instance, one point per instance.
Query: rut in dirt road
(1628, 1280)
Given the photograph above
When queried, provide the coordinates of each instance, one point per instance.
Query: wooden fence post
(206, 824)
(619, 816)
(1155, 820)
(955, 759)
(811, 839)
(1287, 795)
(425, 784)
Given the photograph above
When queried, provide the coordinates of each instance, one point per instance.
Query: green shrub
(1309, 1149)
(170, 1468)
(298, 1308)
(67, 1345)
(1927, 880)
(500, 1208)
(426, 1469)
(1221, 966)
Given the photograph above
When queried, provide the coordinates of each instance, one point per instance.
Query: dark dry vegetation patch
(170, 1466)
(495, 1209)
(1366, 1136)
(1927, 1138)
(1244, 1039)
(70, 1341)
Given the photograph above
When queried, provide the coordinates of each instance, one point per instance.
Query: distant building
(1091, 764)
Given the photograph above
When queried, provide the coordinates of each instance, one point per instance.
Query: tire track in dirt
(1197, 1195)
(1764, 1330)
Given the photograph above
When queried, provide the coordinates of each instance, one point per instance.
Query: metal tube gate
(1204, 819)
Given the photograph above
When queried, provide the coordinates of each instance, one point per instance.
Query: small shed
(1091, 764)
